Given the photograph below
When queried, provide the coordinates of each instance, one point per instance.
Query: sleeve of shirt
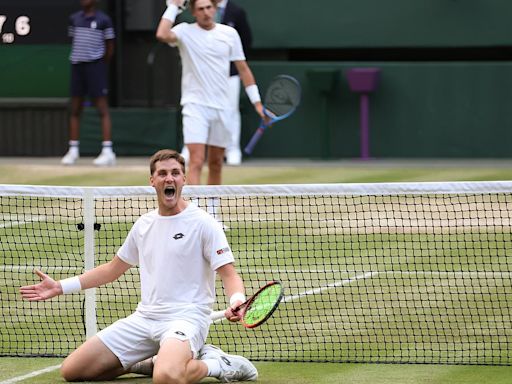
(129, 252)
(178, 30)
(216, 247)
(109, 32)
(237, 51)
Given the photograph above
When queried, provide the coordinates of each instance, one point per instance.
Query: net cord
(349, 189)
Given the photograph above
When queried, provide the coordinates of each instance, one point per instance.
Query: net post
(90, 294)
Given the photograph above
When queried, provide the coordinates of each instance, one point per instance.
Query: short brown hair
(165, 154)
(193, 3)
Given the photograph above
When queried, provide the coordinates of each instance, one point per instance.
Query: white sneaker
(234, 157)
(144, 367)
(70, 158)
(105, 159)
(234, 367)
(185, 154)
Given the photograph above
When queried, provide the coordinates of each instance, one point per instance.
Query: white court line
(405, 273)
(31, 268)
(329, 286)
(18, 223)
(30, 375)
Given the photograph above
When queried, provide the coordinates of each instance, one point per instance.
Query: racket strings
(282, 96)
(259, 309)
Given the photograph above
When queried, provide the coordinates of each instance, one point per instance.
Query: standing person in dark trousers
(229, 13)
(93, 36)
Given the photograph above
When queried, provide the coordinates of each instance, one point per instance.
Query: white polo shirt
(177, 256)
(205, 56)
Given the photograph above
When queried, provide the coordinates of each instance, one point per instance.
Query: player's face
(204, 12)
(168, 181)
(87, 3)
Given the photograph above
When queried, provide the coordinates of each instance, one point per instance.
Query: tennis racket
(281, 99)
(258, 308)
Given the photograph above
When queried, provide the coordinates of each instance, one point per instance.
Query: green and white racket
(259, 307)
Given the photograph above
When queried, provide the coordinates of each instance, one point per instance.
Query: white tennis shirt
(177, 257)
(205, 56)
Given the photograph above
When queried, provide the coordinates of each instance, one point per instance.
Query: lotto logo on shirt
(221, 251)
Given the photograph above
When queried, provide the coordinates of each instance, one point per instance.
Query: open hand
(44, 290)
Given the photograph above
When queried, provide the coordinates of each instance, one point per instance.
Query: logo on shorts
(180, 333)
(178, 236)
(221, 251)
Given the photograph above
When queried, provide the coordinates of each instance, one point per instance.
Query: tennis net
(381, 273)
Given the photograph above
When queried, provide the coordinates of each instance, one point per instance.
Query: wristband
(70, 285)
(170, 13)
(239, 296)
(181, 7)
(253, 93)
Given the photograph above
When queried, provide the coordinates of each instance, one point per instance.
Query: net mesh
(403, 273)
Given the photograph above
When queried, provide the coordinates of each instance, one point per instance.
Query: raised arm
(163, 32)
(49, 288)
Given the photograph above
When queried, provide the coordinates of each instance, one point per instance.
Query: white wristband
(70, 285)
(239, 296)
(171, 12)
(253, 93)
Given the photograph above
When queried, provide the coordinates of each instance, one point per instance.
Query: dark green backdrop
(379, 23)
(430, 108)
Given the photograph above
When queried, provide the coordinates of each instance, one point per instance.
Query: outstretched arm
(100, 275)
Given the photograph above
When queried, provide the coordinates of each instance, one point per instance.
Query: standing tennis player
(179, 249)
(206, 49)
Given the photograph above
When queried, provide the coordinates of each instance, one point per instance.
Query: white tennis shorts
(136, 337)
(205, 125)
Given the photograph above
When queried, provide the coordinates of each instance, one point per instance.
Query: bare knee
(68, 373)
(215, 165)
(163, 377)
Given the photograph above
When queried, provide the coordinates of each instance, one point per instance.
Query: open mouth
(169, 191)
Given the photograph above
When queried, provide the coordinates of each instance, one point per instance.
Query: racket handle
(217, 315)
(255, 138)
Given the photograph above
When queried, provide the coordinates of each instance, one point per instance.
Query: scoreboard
(35, 21)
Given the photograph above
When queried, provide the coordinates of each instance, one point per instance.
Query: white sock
(74, 146)
(106, 147)
(214, 369)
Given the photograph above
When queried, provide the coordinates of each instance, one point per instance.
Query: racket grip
(217, 315)
(255, 138)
